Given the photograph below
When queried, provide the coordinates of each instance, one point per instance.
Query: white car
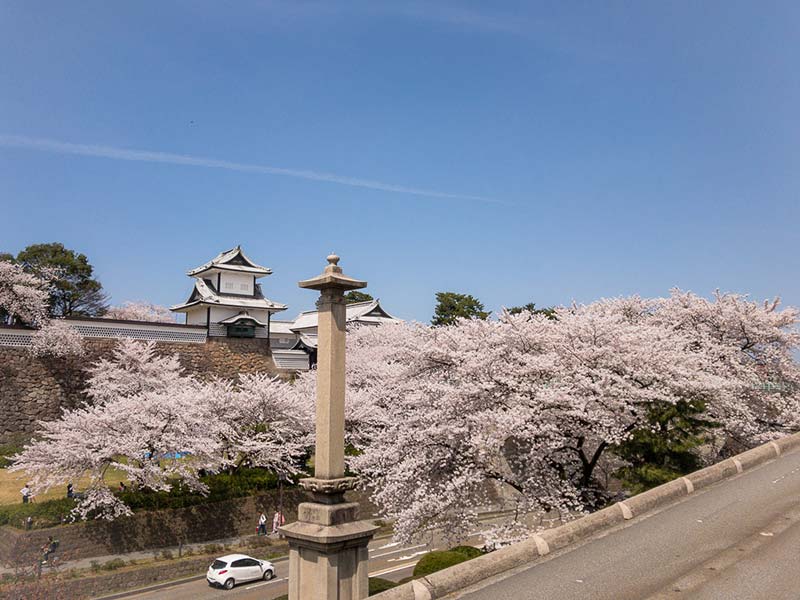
(229, 570)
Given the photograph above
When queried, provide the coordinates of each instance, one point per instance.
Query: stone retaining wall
(147, 530)
(101, 584)
(154, 530)
(33, 389)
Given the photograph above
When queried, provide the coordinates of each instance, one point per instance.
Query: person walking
(49, 548)
(278, 520)
(70, 490)
(262, 524)
(26, 493)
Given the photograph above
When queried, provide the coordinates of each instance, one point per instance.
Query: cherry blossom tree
(23, 296)
(129, 434)
(143, 410)
(261, 422)
(445, 417)
(752, 345)
(141, 311)
(56, 339)
(133, 368)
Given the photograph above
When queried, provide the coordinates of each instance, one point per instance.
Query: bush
(113, 564)
(213, 549)
(167, 555)
(468, 551)
(378, 585)
(258, 542)
(221, 486)
(436, 561)
(44, 514)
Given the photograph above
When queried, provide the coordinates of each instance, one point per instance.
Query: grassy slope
(11, 484)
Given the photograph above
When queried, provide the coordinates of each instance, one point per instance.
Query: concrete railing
(456, 578)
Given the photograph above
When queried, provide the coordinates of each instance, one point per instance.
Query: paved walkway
(85, 563)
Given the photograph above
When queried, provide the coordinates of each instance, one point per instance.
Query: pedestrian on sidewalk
(70, 490)
(262, 524)
(26, 493)
(49, 548)
(278, 520)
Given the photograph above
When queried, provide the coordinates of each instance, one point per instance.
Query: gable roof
(362, 312)
(231, 260)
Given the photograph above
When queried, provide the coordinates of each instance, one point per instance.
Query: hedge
(222, 486)
(436, 561)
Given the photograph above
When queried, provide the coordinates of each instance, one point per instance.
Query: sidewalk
(86, 563)
(196, 548)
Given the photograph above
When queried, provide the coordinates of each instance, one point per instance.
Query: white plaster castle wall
(197, 317)
(236, 283)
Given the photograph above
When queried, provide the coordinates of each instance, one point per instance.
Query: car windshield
(218, 564)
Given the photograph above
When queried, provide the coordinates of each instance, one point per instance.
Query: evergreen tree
(530, 307)
(667, 447)
(354, 296)
(74, 291)
(451, 306)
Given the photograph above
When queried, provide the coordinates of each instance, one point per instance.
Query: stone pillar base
(328, 556)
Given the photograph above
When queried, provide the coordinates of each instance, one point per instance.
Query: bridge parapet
(459, 577)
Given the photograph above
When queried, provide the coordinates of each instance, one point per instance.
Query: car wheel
(268, 574)
(229, 584)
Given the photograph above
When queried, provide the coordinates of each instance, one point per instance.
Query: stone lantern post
(328, 557)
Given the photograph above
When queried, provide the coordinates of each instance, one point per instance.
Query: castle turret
(228, 299)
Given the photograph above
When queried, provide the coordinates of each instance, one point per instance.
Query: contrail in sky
(47, 145)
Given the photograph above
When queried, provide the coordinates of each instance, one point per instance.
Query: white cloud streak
(111, 152)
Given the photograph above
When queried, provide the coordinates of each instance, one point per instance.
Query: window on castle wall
(228, 285)
(243, 286)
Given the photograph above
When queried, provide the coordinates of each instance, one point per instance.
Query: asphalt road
(737, 540)
(387, 560)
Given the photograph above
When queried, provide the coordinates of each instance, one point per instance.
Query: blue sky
(520, 152)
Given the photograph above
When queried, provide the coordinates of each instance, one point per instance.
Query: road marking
(398, 550)
(389, 545)
(767, 534)
(393, 569)
(409, 556)
(252, 587)
(785, 475)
